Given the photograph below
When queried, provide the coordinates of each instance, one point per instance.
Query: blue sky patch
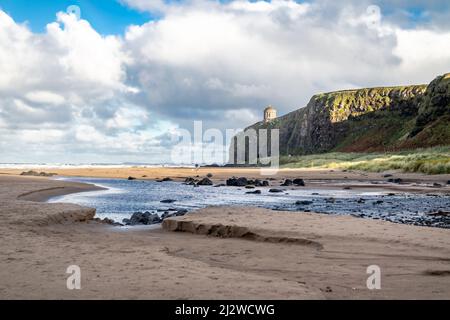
(106, 16)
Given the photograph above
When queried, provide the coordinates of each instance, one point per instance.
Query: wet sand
(218, 253)
(222, 173)
(319, 178)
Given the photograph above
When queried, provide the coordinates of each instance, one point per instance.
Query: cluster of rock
(295, 182)
(148, 218)
(243, 182)
(38, 174)
(142, 218)
(196, 182)
(108, 221)
(395, 180)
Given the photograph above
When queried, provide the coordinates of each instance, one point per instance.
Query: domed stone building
(270, 113)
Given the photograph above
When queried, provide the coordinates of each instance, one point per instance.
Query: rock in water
(276, 190)
(254, 192)
(304, 202)
(142, 218)
(237, 182)
(168, 201)
(178, 213)
(220, 185)
(205, 182)
(190, 181)
(299, 182)
(287, 183)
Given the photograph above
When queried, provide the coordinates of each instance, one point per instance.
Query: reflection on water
(124, 197)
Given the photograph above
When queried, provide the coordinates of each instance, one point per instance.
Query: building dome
(270, 113)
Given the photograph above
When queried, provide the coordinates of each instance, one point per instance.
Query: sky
(121, 81)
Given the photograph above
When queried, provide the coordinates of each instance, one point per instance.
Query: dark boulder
(440, 213)
(168, 201)
(261, 183)
(131, 178)
(254, 192)
(287, 183)
(276, 190)
(299, 182)
(237, 182)
(205, 182)
(258, 183)
(177, 213)
(167, 179)
(330, 200)
(395, 180)
(304, 202)
(189, 180)
(181, 212)
(108, 221)
(142, 218)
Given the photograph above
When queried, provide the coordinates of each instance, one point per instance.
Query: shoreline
(321, 178)
(46, 194)
(221, 173)
(232, 253)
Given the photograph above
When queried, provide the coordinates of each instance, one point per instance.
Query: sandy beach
(218, 252)
(322, 178)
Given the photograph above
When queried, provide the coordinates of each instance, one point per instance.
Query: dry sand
(229, 253)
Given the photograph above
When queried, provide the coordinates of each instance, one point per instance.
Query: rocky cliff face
(371, 119)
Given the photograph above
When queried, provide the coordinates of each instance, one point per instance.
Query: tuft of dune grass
(434, 160)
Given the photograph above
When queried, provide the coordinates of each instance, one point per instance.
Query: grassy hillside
(423, 122)
(430, 161)
(384, 119)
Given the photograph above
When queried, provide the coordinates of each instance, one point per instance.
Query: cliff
(365, 120)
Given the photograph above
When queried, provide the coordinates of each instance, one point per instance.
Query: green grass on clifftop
(430, 161)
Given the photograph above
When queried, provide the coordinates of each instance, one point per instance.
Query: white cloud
(202, 60)
(205, 58)
(45, 97)
(422, 52)
(65, 91)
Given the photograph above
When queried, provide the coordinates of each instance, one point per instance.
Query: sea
(123, 197)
